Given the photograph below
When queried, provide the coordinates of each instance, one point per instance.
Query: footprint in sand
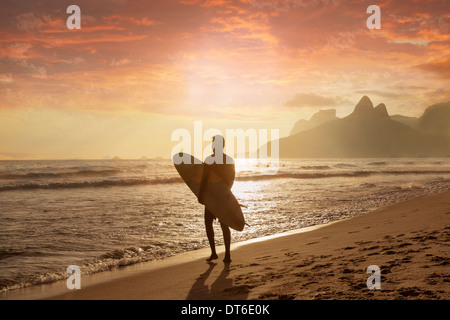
(437, 279)
(263, 258)
(441, 261)
(369, 248)
(305, 263)
(361, 243)
(322, 266)
(274, 296)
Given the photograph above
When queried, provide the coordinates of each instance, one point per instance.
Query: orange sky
(137, 70)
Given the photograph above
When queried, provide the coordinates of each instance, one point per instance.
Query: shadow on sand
(221, 288)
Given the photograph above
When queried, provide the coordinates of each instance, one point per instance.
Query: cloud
(144, 21)
(286, 5)
(216, 52)
(119, 62)
(17, 50)
(441, 68)
(381, 93)
(302, 100)
(6, 78)
(28, 22)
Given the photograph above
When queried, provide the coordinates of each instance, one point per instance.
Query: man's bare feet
(227, 259)
(212, 257)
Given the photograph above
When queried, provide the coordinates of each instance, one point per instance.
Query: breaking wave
(109, 261)
(255, 177)
(89, 184)
(69, 174)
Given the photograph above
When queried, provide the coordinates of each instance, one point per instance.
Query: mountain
(436, 120)
(412, 122)
(364, 108)
(317, 119)
(369, 132)
(380, 111)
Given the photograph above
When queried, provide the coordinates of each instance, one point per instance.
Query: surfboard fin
(243, 205)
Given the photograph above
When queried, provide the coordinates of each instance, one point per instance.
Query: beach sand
(409, 241)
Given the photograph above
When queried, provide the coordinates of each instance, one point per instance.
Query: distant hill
(317, 119)
(436, 120)
(409, 121)
(370, 132)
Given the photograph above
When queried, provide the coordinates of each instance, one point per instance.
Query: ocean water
(104, 214)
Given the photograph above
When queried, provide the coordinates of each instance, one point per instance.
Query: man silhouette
(223, 166)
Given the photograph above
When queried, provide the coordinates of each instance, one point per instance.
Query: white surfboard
(217, 197)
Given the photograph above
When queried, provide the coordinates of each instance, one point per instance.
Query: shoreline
(408, 241)
(59, 287)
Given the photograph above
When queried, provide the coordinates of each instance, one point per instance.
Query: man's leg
(227, 240)
(209, 218)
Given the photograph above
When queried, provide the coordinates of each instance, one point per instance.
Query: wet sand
(408, 241)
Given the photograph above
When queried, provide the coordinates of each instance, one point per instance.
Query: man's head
(218, 143)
